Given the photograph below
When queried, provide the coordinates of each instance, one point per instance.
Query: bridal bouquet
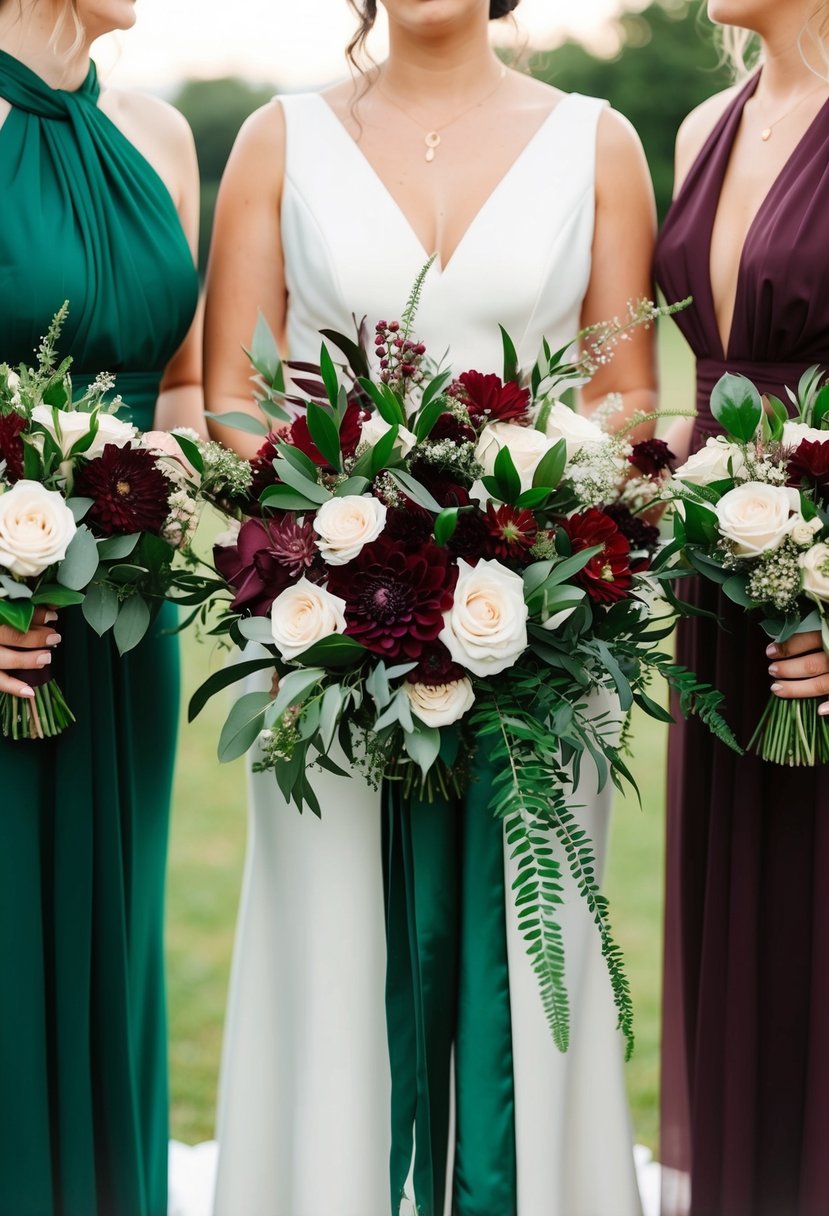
(753, 516)
(435, 564)
(91, 513)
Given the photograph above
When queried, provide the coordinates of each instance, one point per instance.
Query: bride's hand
(34, 651)
(801, 668)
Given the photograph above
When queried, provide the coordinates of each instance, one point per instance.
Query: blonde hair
(741, 48)
(67, 18)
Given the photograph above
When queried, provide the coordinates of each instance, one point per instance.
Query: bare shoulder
(151, 116)
(260, 144)
(697, 127)
(617, 143)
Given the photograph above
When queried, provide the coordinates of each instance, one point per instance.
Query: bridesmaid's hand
(33, 655)
(801, 668)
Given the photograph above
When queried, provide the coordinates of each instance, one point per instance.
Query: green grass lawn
(206, 857)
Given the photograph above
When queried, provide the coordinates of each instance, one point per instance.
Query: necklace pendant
(765, 134)
(432, 141)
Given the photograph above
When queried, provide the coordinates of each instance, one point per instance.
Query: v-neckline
(731, 123)
(442, 268)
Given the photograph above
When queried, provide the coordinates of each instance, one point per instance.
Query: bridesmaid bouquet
(753, 516)
(91, 513)
(438, 564)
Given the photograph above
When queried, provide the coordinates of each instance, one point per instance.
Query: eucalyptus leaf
(132, 624)
(100, 608)
(243, 725)
(236, 420)
(223, 679)
(257, 629)
(78, 568)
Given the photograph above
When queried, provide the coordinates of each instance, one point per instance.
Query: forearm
(181, 406)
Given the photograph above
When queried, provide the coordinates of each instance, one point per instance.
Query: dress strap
(25, 90)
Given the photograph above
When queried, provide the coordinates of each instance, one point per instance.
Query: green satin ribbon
(447, 986)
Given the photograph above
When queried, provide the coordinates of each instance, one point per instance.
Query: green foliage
(667, 64)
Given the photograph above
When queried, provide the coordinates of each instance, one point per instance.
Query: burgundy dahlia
(435, 667)
(640, 534)
(395, 598)
(129, 491)
(487, 397)
(11, 445)
(471, 538)
(607, 576)
(269, 555)
(809, 462)
(409, 523)
(651, 456)
(350, 429)
(512, 531)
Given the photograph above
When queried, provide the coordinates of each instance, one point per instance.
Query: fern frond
(697, 697)
(407, 320)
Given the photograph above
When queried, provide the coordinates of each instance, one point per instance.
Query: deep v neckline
(442, 268)
(730, 123)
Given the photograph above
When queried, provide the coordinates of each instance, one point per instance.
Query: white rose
(345, 524)
(72, 425)
(756, 516)
(574, 429)
(804, 531)
(375, 427)
(304, 614)
(441, 704)
(795, 432)
(527, 447)
(711, 462)
(815, 566)
(485, 630)
(36, 527)
(162, 443)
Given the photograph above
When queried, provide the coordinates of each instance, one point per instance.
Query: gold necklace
(431, 138)
(768, 131)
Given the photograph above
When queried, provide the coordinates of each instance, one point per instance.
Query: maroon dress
(745, 1055)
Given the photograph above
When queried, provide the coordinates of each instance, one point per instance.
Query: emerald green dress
(84, 818)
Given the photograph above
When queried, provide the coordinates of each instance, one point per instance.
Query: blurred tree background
(666, 64)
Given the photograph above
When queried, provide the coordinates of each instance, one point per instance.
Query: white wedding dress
(304, 1125)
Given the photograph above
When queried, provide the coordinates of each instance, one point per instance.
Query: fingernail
(823, 709)
(773, 670)
(772, 651)
(50, 616)
(43, 660)
(776, 687)
(54, 638)
(25, 691)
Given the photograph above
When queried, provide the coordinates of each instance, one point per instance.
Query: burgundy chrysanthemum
(809, 462)
(269, 555)
(395, 598)
(471, 538)
(436, 667)
(651, 456)
(11, 445)
(607, 576)
(129, 491)
(640, 534)
(487, 396)
(512, 531)
(350, 429)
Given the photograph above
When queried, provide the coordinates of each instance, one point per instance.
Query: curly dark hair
(366, 11)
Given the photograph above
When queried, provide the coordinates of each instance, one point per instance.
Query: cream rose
(36, 527)
(375, 427)
(574, 429)
(756, 517)
(527, 447)
(304, 614)
(815, 566)
(72, 425)
(711, 462)
(485, 630)
(441, 704)
(345, 524)
(795, 432)
(804, 531)
(162, 443)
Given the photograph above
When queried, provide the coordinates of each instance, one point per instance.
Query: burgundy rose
(11, 445)
(350, 429)
(809, 462)
(452, 428)
(512, 531)
(435, 667)
(409, 523)
(395, 598)
(640, 534)
(607, 576)
(487, 397)
(651, 456)
(128, 489)
(471, 538)
(269, 555)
